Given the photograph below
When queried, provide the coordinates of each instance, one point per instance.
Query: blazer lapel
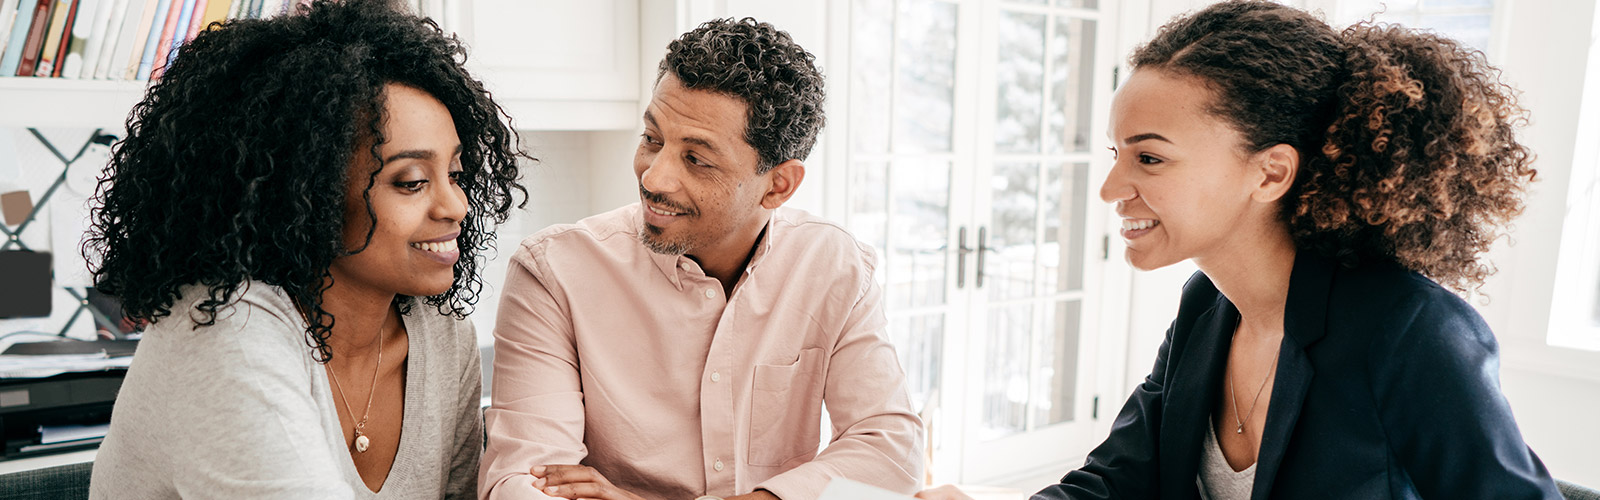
(1191, 391)
(1304, 322)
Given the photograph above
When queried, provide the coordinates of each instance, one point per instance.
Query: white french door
(968, 134)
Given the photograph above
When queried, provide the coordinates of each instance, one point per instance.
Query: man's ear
(785, 179)
(1279, 164)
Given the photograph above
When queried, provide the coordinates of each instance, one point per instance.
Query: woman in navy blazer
(1324, 183)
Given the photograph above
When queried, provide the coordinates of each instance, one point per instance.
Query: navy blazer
(1387, 387)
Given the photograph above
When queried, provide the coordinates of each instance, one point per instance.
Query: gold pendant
(361, 443)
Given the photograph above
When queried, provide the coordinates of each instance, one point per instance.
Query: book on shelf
(134, 39)
(105, 39)
(195, 20)
(36, 31)
(60, 20)
(18, 37)
(8, 15)
(125, 65)
(216, 12)
(80, 61)
(77, 40)
(152, 44)
(164, 45)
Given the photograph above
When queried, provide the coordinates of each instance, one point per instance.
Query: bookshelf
(580, 74)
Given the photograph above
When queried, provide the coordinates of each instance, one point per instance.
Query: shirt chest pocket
(786, 410)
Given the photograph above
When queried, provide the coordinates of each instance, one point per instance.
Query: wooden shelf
(60, 102)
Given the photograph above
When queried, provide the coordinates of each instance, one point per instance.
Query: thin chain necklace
(362, 442)
(1231, 393)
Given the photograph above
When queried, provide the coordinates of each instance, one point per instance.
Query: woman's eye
(412, 186)
(455, 177)
(1149, 160)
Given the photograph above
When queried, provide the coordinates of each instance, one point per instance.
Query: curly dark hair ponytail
(1406, 139)
(236, 162)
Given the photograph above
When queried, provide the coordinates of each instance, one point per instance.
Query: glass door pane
(901, 149)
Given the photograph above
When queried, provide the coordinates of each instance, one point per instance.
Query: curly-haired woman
(301, 207)
(1326, 184)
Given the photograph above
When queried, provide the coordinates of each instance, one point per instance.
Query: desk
(45, 461)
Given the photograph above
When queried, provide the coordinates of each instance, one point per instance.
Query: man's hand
(946, 492)
(576, 481)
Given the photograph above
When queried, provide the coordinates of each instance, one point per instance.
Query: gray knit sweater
(241, 410)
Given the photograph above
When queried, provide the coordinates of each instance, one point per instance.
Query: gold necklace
(1231, 393)
(362, 442)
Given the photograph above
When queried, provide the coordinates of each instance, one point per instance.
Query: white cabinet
(559, 64)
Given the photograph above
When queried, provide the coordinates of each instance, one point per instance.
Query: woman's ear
(1279, 164)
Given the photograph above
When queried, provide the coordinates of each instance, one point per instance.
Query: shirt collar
(673, 266)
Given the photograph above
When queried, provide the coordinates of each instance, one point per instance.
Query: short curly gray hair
(762, 66)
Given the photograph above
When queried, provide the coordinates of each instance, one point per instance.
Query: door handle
(961, 256)
(983, 247)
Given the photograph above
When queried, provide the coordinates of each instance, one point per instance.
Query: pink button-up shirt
(634, 363)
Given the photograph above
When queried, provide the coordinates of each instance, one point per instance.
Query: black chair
(65, 482)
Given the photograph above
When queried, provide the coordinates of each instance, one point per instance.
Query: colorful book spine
(195, 19)
(19, 37)
(65, 42)
(36, 32)
(171, 35)
(96, 63)
(83, 29)
(163, 39)
(153, 41)
(60, 18)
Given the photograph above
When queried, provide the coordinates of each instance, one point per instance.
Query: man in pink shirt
(687, 345)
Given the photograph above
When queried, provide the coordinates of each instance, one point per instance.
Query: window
(1469, 21)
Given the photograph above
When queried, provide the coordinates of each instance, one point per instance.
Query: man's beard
(651, 237)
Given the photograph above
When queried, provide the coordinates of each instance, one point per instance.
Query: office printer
(56, 413)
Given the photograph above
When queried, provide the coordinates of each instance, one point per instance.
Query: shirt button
(717, 465)
(686, 266)
(716, 376)
(711, 294)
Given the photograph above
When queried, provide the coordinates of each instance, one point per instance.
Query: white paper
(845, 489)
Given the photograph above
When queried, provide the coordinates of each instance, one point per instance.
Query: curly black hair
(1406, 138)
(762, 66)
(236, 162)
